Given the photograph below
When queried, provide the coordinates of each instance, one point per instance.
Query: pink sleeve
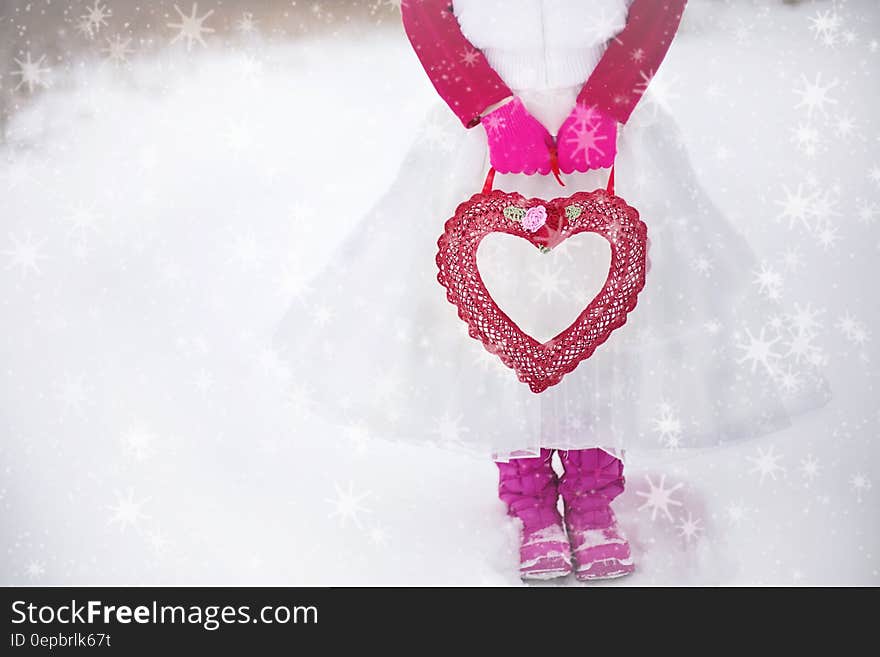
(459, 72)
(633, 57)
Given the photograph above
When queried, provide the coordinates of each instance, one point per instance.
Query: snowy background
(169, 177)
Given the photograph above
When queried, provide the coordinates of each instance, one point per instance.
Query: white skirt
(374, 345)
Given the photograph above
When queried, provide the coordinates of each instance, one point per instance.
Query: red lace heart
(542, 365)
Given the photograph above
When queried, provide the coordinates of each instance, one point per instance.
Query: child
(550, 84)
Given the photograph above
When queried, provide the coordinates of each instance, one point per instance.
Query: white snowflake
(824, 206)
(769, 281)
(789, 381)
(191, 27)
(852, 329)
(766, 464)
(25, 254)
(127, 512)
(96, 16)
(602, 24)
(668, 426)
(827, 236)
(84, 27)
(587, 140)
(801, 348)
(845, 127)
(809, 468)
(35, 569)
(662, 94)
(860, 483)
(470, 57)
(868, 213)
(548, 283)
(348, 505)
(689, 528)
(449, 429)
(804, 319)
(32, 73)
(117, 50)
(807, 139)
(815, 97)
(759, 351)
(712, 327)
(736, 513)
(586, 115)
(659, 498)
(702, 265)
(493, 122)
(793, 259)
(797, 207)
(246, 24)
(139, 443)
(825, 25)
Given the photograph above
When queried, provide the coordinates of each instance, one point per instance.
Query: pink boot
(593, 478)
(528, 487)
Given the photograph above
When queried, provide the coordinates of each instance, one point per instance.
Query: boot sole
(549, 568)
(605, 569)
(544, 575)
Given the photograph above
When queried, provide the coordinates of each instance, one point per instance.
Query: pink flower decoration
(535, 218)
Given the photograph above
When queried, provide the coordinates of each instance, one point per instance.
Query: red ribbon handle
(554, 165)
(490, 181)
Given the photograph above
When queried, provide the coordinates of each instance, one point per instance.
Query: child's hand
(587, 140)
(518, 143)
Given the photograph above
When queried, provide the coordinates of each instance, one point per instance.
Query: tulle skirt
(375, 347)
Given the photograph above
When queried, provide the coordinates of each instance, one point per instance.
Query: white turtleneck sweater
(544, 50)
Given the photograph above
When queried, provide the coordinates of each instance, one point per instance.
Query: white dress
(375, 345)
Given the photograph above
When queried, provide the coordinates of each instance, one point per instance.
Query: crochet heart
(545, 224)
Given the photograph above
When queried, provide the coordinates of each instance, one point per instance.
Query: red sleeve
(633, 57)
(459, 72)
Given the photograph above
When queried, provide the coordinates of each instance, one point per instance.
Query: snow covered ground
(157, 218)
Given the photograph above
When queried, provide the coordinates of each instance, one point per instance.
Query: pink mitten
(518, 143)
(587, 140)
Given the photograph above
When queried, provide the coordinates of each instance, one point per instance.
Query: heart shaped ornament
(544, 224)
